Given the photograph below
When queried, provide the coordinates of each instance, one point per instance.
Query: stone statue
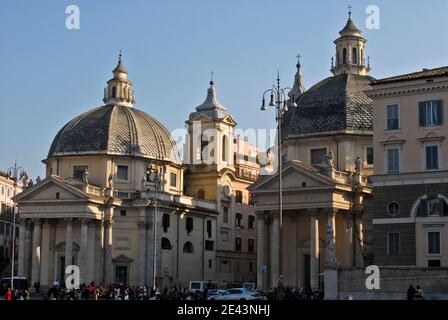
(25, 180)
(358, 165)
(85, 177)
(31, 183)
(38, 179)
(143, 183)
(110, 181)
(329, 159)
(331, 259)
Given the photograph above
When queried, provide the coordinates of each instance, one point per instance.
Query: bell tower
(210, 136)
(350, 51)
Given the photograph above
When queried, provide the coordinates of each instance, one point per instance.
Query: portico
(320, 227)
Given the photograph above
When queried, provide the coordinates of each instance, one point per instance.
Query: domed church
(112, 202)
(327, 157)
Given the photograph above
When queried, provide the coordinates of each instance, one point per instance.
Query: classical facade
(113, 204)
(8, 189)
(221, 167)
(327, 158)
(410, 205)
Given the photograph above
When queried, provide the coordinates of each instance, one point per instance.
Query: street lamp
(154, 177)
(15, 173)
(279, 100)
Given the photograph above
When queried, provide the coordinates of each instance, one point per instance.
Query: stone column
(142, 238)
(108, 267)
(275, 249)
(83, 251)
(28, 249)
(22, 249)
(68, 243)
(52, 251)
(99, 252)
(314, 250)
(45, 253)
(37, 243)
(331, 237)
(261, 259)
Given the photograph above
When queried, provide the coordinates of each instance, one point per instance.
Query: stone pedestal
(331, 284)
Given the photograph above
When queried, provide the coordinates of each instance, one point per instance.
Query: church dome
(116, 128)
(334, 104)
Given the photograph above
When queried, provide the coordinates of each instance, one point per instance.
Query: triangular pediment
(295, 175)
(230, 120)
(51, 188)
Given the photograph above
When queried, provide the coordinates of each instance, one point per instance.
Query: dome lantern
(119, 89)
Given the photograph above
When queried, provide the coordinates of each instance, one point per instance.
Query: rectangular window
(237, 244)
(122, 173)
(434, 263)
(432, 157)
(369, 155)
(208, 245)
(209, 263)
(173, 180)
(251, 245)
(209, 228)
(251, 267)
(239, 220)
(78, 171)
(189, 225)
(392, 160)
(393, 243)
(392, 117)
(434, 242)
(165, 222)
(237, 266)
(238, 196)
(251, 224)
(431, 113)
(123, 213)
(224, 236)
(318, 155)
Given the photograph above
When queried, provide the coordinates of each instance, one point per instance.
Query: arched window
(344, 56)
(201, 194)
(114, 92)
(224, 148)
(354, 56)
(225, 215)
(166, 244)
(432, 207)
(188, 247)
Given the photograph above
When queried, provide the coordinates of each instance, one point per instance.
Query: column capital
(332, 211)
(314, 213)
(84, 220)
(68, 220)
(37, 221)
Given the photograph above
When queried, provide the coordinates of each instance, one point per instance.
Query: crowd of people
(415, 293)
(17, 294)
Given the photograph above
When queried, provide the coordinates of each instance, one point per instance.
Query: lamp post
(15, 173)
(280, 102)
(154, 177)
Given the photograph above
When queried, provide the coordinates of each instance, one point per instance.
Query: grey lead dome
(115, 130)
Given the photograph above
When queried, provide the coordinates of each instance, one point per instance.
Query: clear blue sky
(50, 74)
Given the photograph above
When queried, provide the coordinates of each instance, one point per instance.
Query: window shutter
(439, 112)
(421, 107)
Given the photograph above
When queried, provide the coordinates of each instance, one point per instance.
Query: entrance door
(307, 272)
(61, 270)
(121, 275)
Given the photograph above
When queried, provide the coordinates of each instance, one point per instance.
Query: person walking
(411, 292)
(9, 294)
